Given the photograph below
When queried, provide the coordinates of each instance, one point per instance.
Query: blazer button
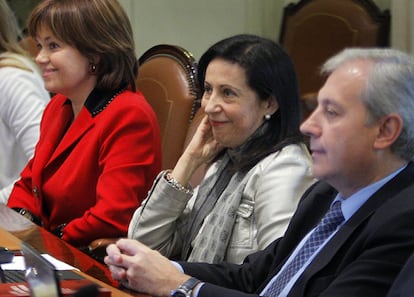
(35, 191)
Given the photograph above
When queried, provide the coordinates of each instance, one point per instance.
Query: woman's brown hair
(97, 28)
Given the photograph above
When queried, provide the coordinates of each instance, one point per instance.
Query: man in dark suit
(362, 141)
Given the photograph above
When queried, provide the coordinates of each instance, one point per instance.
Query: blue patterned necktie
(326, 227)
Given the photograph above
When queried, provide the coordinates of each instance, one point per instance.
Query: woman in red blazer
(99, 148)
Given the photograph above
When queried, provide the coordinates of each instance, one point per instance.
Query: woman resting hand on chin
(258, 165)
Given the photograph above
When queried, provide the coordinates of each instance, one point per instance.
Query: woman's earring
(267, 117)
(92, 67)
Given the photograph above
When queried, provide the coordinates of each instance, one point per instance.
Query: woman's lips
(46, 73)
(217, 123)
(316, 152)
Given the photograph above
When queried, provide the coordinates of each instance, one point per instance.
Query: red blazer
(94, 172)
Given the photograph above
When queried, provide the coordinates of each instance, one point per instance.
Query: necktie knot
(333, 217)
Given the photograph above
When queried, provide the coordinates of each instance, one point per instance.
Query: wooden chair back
(167, 77)
(314, 30)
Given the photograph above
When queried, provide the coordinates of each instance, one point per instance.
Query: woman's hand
(201, 149)
(142, 269)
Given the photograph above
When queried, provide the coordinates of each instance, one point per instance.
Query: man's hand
(143, 269)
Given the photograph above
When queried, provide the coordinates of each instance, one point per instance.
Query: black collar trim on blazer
(98, 100)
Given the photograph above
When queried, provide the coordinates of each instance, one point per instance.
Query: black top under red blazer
(362, 259)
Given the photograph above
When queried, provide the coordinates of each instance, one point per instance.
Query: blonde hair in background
(9, 36)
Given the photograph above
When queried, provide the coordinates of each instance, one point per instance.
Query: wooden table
(15, 228)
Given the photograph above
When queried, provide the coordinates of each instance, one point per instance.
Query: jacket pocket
(244, 231)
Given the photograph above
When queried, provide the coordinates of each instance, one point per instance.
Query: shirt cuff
(178, 266)
(197, 288)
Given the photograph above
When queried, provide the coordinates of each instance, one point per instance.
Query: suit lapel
(315, 203)
(50, 137)
(388, 191)
(76, 130)
(310, 211)
(60, 135)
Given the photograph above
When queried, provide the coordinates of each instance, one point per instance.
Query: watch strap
(187, 287)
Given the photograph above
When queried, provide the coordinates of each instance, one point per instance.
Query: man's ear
(389, 130)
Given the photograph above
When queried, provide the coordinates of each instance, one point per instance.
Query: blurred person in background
(23, 98)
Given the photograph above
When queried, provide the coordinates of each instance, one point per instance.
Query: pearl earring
(92, 67)
(267, 117)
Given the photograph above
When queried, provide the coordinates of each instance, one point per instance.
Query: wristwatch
(186, 288)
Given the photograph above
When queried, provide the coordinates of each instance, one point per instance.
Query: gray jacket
(270, 193)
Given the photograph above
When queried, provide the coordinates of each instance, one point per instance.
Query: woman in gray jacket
(259, 165)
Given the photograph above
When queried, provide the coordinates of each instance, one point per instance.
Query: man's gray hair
(389, 89)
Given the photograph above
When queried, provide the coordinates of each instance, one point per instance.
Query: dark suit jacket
(362, 259)
(404, 283)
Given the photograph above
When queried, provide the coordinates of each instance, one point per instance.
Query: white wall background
(402, 25)
(197, 24)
